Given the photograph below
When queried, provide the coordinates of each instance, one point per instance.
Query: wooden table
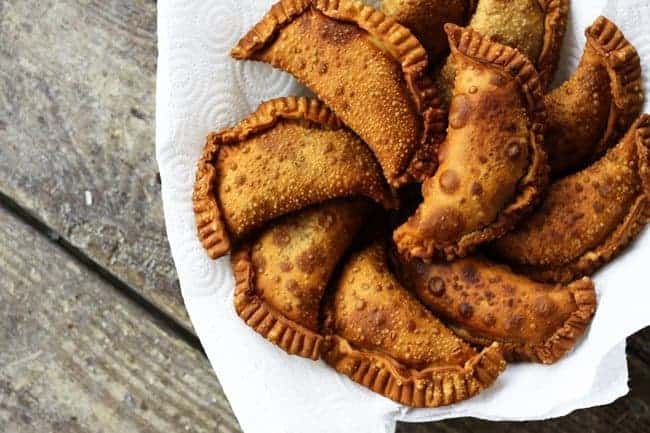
(93, 333)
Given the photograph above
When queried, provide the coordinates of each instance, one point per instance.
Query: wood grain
(75, 356)
(77, 91)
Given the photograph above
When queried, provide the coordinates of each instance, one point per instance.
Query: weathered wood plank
(75, 356)
(640, 345)
(77, 84)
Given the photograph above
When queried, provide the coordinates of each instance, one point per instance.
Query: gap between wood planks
(164, 320)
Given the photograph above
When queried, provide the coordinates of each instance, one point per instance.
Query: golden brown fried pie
(534, 27)
(587, 217)
(289, 154)
(485, 302)
(594, 108)
(282, 275)
(365, 66)
(383, 338)
(492, 166)
(426, 18)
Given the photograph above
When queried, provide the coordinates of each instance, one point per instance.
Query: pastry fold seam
(556, 15)
(623, 65)
(266, 320)
(429, 387)
(211, 228)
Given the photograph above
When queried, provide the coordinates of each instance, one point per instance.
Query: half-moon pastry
(379, 335)
(365, 66)
(289, 154)
(594, 108)
(281, 276)
(588, 217)
(426, 19)
(534, 27)
(492, 165)
(485, 302)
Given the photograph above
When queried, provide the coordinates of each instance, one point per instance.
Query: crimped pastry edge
(430, 387)
(624, 68)
(555, 23)
(563, 338)
(267, 321)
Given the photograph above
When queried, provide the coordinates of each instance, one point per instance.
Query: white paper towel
(200, 89)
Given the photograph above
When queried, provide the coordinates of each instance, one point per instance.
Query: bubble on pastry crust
(498, 81)
(281, 237)
(476, 189)
(489, 320)
(410, 325)
(293, 286)
(240, 180)
(605, 190)
(286, 267)
(460, 111)
(598, 207)
(514, 149)
(326, 220)
(466, 311)
(437, 286)
(449, 181)
(470, 274)
(515, 322)
(310, 259)
(445, 224)
(543, 306)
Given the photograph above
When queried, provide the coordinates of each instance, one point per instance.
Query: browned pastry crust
(589, 217)
(535, 27)
(368, 68)
(594, 108)
(485, 302)
(426, 18)
(282, 275)
(380, 336)
(492, 165)
(289, 154)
